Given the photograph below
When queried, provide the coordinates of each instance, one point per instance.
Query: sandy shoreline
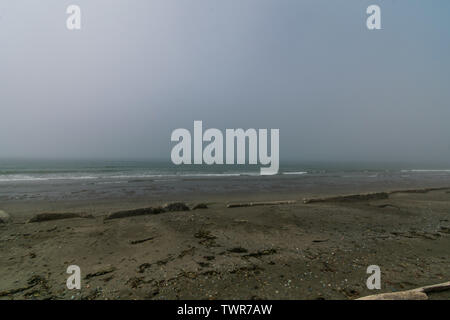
(284, 251)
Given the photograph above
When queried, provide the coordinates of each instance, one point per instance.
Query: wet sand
(316, 250)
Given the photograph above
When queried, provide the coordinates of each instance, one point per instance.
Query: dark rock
(4, 217)
(133, 213)
(142, 240)
(176, 206)
(204, 264)
(261, 253)
(153, 293)
(237, 250)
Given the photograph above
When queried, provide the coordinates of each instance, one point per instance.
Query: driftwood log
(350, 198)
(369, 196)
(414, 294)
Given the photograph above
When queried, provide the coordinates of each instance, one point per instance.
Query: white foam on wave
(111, 182)
(18, 178)
(221, 174)
(425, 170)
(295, 172)
(182, 175)
(30, 178)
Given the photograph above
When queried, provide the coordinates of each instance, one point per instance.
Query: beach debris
(350, 198)
(200, 206)
(13, 291)
(93, 294)
(142, 240)
(417, 234)
(4, 217)
(143, 267)
(320, 240)
(135, 282)
(204, 264)
(175, 206)
(31, 282)
(204, 234)
(238, 250)
(100, 271)
(41, 217)
(206, 238)
(247, 270)
(162, 262)
(254, 204)
(260, 253)
(350, 292)
(154, 292)
(444, 229)
(414, 294)
(190, 251)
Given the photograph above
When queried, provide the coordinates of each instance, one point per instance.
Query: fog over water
(137, 70)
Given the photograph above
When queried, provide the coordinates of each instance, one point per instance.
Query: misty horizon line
(290, 161)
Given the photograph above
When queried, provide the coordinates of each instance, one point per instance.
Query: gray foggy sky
(139, 69)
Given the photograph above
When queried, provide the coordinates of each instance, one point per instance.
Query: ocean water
(108, 170)
(103, 170)
(50, 180)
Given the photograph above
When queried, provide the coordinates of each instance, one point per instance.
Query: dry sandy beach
(294, 250)
(224, 150)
